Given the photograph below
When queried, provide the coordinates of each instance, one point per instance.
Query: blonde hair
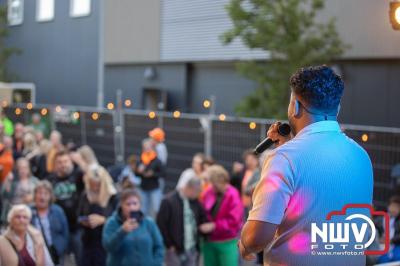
(45, 146)
(29, 141)
(18, 208)
(217, 174)
(87, 154)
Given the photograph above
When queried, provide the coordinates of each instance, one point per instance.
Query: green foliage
(5, 52)
(288, 32)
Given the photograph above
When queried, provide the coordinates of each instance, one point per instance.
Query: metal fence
(116, 134)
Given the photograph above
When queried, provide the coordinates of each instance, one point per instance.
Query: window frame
(41, 20)
(21, 20)
(72, 6)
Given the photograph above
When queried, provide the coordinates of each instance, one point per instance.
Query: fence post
(83, 128)
(118, 120)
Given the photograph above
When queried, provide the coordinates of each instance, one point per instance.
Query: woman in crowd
(131, 238)
(56, 146)
(225, 210)
(21, 244)
(250, 177)
(150, 169)
(39, 160)
(128, 178)
(19, 189)
(97, 202)
(51, 221)
(196, 170)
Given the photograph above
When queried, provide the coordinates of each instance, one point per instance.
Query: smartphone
(83, 219)
(137, 215)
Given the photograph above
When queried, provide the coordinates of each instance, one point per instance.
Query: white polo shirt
(320, 170)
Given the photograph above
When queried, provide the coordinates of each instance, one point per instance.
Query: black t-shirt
(67, 190)
(150, 183)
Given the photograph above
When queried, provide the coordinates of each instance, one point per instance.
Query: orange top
(7, 163)
(50, 160)
(148, 156)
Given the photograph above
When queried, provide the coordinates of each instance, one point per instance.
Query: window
(15, 12)
(80, 8)
(44, 10)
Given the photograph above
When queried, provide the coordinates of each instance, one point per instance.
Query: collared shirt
(320, 170)
(189, 225)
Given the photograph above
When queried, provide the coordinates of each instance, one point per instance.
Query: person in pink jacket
(225, 211)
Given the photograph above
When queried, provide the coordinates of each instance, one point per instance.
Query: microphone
(283, 130)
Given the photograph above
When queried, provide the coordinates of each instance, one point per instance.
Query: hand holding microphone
(278, 133)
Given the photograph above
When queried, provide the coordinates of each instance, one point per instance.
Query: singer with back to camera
(312, 171)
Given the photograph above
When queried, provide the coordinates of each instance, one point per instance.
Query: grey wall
(132, 31)
(372, 93)
(220, 80)
(130, 78)
(59, 56)
(365, 26)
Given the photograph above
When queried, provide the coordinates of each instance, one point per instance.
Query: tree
(289, 34)
(5, 52)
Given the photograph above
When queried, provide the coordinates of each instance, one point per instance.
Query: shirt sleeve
(273, 191)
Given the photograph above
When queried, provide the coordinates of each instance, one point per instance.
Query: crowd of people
(59, 203)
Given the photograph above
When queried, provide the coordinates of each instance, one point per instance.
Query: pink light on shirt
(296, 206)
(299, 243)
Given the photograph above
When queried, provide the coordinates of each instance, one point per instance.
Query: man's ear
(296, 108)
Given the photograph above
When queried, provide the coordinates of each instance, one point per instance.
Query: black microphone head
(284, 129)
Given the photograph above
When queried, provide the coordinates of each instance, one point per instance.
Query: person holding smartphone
(129, 237)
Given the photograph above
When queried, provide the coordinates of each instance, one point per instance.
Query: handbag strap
(20, 260)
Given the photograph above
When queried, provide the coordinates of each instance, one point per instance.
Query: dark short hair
(318, 86)
(61, 153)
(395, 199)
(132, 159)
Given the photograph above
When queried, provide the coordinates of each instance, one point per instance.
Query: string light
(152, 115)
(128, 103)
(58, 108)
(43, 112)
(75, 115)
(18, 111)
(206, 103)
(222, 117)
(177, 114)
(110, 106)
(29, 106)
(252, 125)
(95, 116)
(364, 137)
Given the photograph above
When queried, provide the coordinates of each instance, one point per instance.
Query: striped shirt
(320, 170)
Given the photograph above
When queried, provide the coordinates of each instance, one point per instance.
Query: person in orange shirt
(6, 162)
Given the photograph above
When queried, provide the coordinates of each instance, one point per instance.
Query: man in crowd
(68, 186)
(179, 218)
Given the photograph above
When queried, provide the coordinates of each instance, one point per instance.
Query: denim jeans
(151, 200)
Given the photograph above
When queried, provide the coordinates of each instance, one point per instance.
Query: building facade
(170, 51)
